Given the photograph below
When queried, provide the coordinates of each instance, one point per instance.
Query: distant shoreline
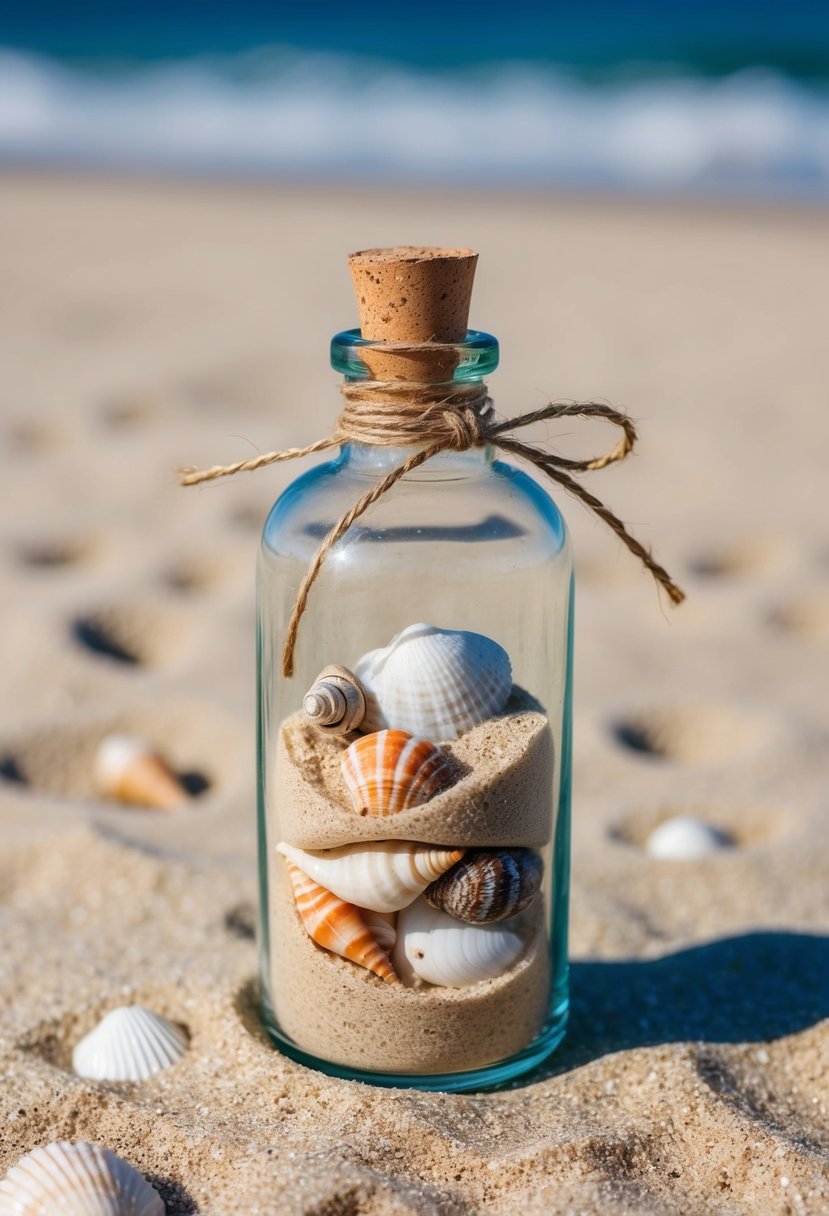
(67, 175)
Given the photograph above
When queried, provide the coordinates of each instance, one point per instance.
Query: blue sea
(698, 98)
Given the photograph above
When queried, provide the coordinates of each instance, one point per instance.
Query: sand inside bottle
(341, 1012)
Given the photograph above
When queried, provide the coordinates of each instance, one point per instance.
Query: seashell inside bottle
(488, 885)
(336, 701)
(380, 875)
(437, 948)
(414, 771)
(337, 925)
(434, 682)
(391, 771)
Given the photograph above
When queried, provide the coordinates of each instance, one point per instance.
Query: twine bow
(442, 418)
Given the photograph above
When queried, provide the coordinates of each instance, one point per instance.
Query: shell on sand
(335, 702)
(488, 885)
(685, 838)
(434, 947)
(129, 1044)
(63, 1179)
(338, 926)
(434, 682)
(128, 769)
(383, 875)
(391, 771)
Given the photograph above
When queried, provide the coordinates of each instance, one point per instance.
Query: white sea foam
(313, 114)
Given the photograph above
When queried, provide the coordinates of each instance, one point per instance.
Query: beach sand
(152, 325)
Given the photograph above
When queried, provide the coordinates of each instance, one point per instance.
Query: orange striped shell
(391, 770)
(338, 926)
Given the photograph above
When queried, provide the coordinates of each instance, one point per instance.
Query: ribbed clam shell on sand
(391, 771)
(384, 875)
(129, 1044)
(434, 682)
(338, 926)
(63, 1179)
(434, 947)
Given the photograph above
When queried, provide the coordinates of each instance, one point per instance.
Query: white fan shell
(129, 1044)
(63, 1179)
(435, 683)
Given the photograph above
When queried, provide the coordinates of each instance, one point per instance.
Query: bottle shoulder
(497, 504)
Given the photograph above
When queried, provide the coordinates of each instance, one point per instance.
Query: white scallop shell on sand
(435, 947)
(129, 1044)
(436, 683)
(64, 1179)
(382, 875)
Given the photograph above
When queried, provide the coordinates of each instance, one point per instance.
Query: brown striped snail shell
(336, 702)
(487, 885)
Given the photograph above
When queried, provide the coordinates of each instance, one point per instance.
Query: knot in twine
(440, 418)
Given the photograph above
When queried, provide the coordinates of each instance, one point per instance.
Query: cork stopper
(411, 294)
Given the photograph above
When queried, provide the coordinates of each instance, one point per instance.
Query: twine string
(448, 417)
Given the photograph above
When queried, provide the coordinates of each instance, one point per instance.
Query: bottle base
(486, 1077)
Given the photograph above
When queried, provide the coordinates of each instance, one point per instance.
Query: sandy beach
(151, 325)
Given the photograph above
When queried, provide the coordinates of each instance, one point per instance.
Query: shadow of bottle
(752, 988)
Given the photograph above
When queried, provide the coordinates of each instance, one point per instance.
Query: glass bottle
(464, 542)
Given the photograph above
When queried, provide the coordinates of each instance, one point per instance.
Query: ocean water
(715, 99)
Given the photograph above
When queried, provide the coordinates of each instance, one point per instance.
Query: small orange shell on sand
(129, 770)
(338, 926)
(391, 770)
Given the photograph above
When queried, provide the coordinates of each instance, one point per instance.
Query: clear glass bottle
(464, 542)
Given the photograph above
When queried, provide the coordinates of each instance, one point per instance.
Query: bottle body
(462, 543)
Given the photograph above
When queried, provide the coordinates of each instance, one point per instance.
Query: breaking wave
(296, 114)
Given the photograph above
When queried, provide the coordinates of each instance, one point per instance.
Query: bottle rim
(476, 354)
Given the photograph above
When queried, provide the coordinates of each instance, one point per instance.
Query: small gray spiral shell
(335, 703)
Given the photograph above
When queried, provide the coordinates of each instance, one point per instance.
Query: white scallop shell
(436, 683)
(435, 947)
(64, 1179)
(684, 838)
(382, 875)
(129, 1044)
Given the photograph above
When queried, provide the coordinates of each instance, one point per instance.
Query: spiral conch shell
(129, 1044)
(63, 1179)
(488, 885)
(392, 771)
(434, 682)
(384, 875)
(335, 703)
(435, 947)
(338, 926)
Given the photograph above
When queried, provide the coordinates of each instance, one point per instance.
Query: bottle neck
(371, 460)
